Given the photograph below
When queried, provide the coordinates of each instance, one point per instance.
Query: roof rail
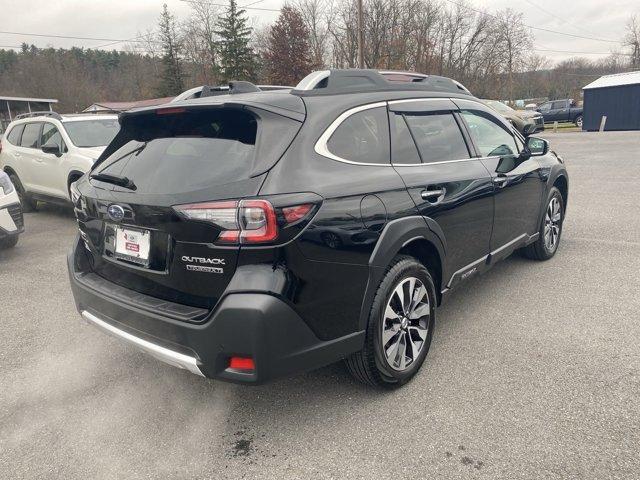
(44, 113)
(332, 82)
(234, 87)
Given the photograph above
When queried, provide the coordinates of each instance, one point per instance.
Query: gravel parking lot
(534, 371)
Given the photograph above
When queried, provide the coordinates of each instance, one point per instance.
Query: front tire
(578, 121)
(9, 242)
(546, 246)
(400, 326)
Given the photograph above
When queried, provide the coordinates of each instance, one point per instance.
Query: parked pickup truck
(561, 111)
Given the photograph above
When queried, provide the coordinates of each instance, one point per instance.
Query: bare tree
(317, 15)
(632, 40)
(201, 39)
(516, 41)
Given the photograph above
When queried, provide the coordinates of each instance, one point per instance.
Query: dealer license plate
(133, 245)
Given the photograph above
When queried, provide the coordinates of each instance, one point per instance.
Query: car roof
(80, 117)
(350, 86)
(73, 117)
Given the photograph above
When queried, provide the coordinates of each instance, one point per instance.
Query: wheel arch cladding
(427, 254)
(561, 184)
(408, 235)
(73, 176)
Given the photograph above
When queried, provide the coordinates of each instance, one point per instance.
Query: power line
(551, 14)
(242, 8)
(531, 26)
(116, 40)
(252, 3)
(578, 53)
(84, 48)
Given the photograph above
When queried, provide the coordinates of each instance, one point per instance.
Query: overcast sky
(123, 19)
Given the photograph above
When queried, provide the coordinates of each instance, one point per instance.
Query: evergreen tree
(287, 56)
(237, 60)
(171, 82)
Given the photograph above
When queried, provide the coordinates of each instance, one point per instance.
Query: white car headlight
(5, 183)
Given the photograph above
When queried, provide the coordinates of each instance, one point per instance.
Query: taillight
(170, 111)
(258, 223)
(245, 221)
(297, 212)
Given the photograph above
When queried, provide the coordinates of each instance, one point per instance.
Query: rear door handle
(500, 181)
(433, 196)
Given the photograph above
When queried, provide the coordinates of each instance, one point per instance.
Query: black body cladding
(318, 276)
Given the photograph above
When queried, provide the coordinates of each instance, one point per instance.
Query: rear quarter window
(13, 137)
(362, 138)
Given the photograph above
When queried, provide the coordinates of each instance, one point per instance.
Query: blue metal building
(615, 96)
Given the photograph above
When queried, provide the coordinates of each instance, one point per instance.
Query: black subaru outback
(258, 234)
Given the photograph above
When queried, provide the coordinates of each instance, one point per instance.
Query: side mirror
(537, 146)
(52, 148)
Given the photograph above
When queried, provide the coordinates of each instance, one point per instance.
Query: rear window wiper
(114, 179)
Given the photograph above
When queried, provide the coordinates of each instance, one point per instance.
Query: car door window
(545, 107)
(31, 135)
(559, 105)
(362, 138)
(403, 148)
(490, 137)
(14, 135)
(438, 137)
(51, 136)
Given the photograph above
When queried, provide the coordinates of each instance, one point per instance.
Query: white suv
(44, 152)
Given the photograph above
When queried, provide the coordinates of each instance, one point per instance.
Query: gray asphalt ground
(534, 371)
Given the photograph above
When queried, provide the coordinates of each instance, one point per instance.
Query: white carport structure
(12, 106)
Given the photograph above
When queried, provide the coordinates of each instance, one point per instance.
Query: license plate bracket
(132, 245)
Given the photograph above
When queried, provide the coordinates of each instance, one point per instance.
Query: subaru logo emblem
(115, 212)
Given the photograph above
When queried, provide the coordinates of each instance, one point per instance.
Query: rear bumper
(251, 324)
(164, 354)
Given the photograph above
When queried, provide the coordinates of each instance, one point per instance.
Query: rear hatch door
(135, 235)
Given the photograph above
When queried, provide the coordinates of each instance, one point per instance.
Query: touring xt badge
(203, 264)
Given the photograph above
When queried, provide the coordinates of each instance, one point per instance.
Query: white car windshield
(92, 133)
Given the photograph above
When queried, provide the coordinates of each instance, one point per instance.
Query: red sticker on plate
(132, 247)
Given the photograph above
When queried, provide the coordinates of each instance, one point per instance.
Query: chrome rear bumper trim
(166, 355)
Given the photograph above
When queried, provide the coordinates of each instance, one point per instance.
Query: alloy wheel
(406, 323)
(552, 223)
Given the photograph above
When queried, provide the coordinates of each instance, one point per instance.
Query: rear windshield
(92, 133)
(177, 153)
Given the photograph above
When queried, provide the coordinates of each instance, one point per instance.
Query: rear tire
(28, 205)
(546, 246)
(9, 242)
(578, 121)
(400, 326)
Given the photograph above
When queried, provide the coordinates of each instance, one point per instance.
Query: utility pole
(360, 36)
